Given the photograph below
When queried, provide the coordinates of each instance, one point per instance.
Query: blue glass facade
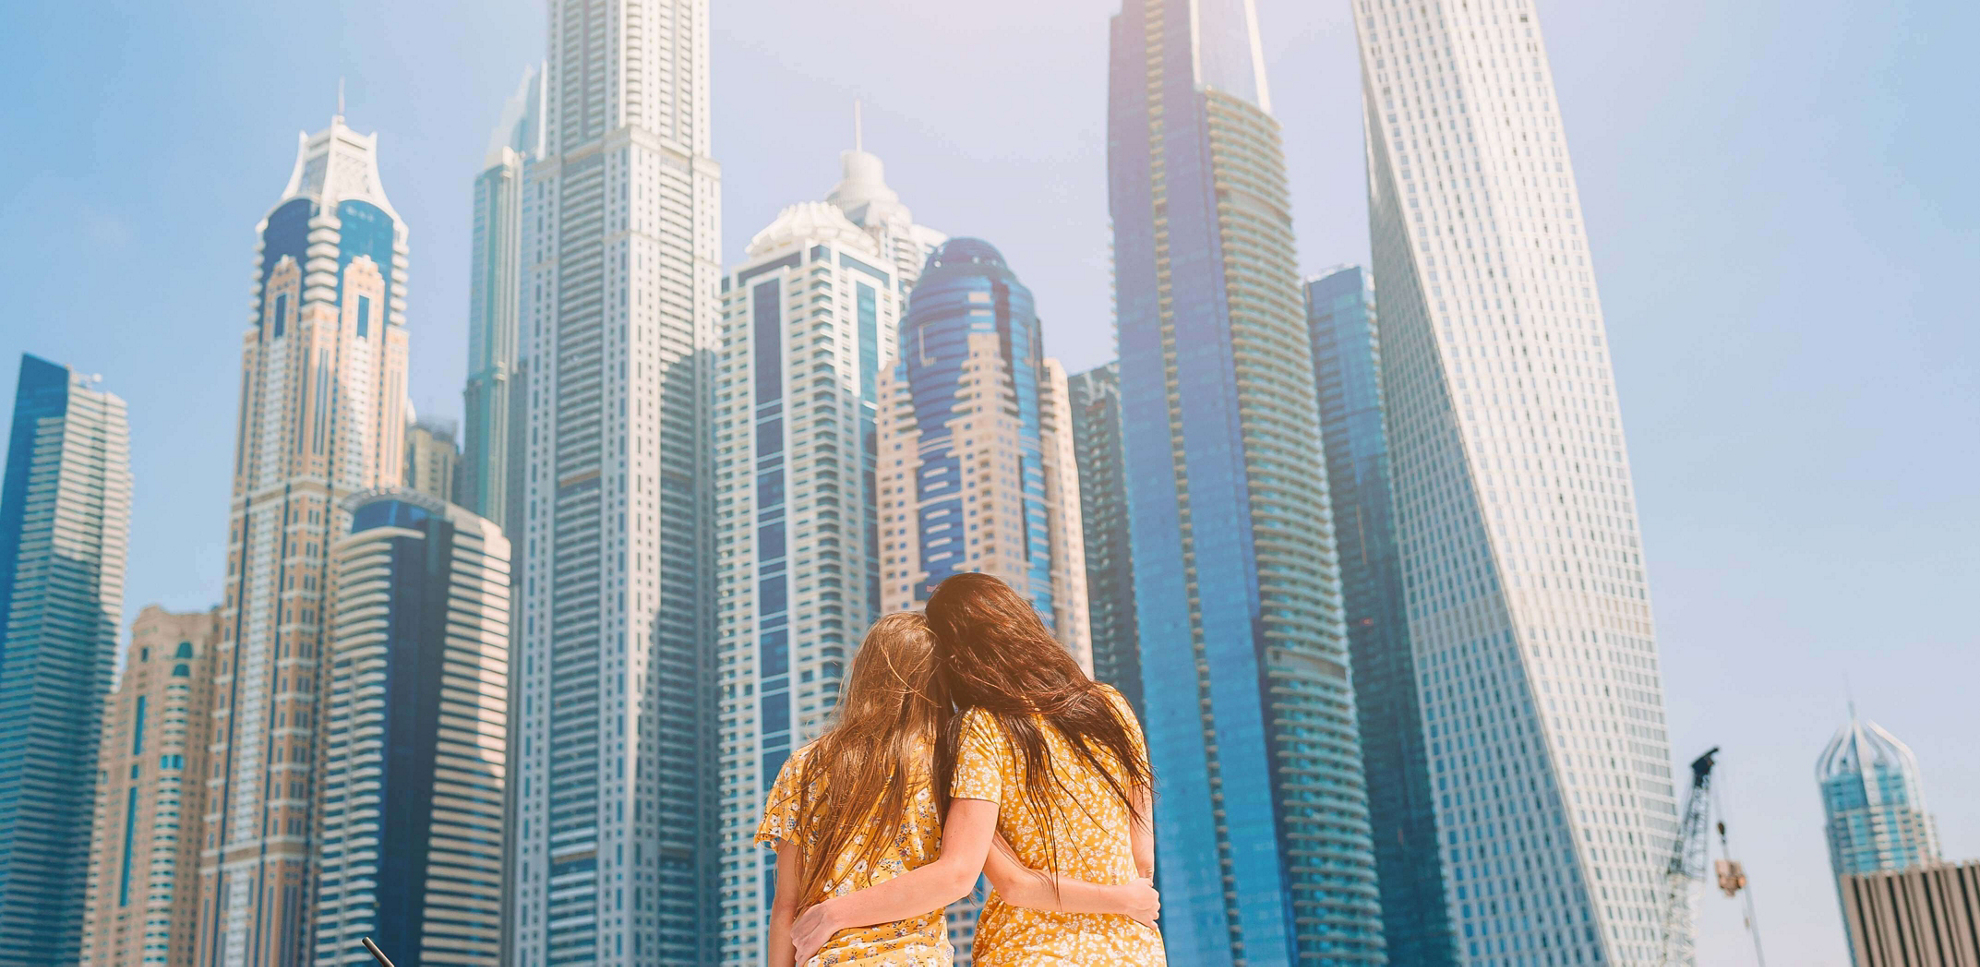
(1262, 829)
(64, 507)
(966, 290)
(1096, 415)
(1347, 368)
(1873, 803)
(415, 617)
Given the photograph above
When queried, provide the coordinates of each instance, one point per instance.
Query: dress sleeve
(780, 811)
(980, 759)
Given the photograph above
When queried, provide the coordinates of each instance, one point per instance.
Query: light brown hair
(874, 757)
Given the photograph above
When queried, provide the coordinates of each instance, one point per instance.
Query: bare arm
(1023, 886)
(965, 842)
(790, 870)
(1141, 833)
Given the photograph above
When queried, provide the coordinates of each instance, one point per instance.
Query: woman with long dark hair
(1040, 757)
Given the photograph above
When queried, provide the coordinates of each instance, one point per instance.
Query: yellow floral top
(1090, 827)
(921, 941)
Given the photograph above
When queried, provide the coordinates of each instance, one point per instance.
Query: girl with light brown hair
(1042, 758)
(856, 809)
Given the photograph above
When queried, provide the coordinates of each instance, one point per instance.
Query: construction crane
(1687, 867)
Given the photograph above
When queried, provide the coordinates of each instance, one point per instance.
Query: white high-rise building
(614, 862)
(862, 193)
(1535, 653)
(810, 321)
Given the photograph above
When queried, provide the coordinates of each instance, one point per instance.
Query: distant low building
(433, 459)
(1923, 917)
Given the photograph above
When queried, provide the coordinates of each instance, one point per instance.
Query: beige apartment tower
(150, 794)
(322, 416)
(1921, 917)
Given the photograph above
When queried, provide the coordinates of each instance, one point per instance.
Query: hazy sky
(1779, 196)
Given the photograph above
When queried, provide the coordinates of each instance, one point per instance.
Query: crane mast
(1687, 866)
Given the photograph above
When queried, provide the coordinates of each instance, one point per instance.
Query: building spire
(339, 116)
(859, 141)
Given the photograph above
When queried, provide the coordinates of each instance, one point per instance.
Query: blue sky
(1779, 198)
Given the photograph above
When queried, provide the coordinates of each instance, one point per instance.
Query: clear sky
(1779, 195)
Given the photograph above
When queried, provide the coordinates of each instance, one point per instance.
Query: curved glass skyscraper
(1535, 656)
(975, 452)
(1262, 814)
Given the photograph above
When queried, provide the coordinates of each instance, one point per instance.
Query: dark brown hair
(875, 755)
(993, 652)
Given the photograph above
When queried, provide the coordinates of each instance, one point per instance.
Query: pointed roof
(337, 164)
(1862, 746)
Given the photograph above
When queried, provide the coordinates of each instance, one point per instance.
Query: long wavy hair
(874, 758)
(994, 653)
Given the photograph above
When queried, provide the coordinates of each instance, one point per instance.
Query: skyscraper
(1262, 833)
(862, 194)
(811, 318)
(151, 794)
(322, 416)
(1529, 615)
(414, 761)
(433, 460)
(615, 844)
(1922, 917)
(1873, 802)
(1096, 422)
(65, 518)
(1347, 362)
(976, 463)
(496, 397)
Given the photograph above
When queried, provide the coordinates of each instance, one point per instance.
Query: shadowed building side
(1347, 366)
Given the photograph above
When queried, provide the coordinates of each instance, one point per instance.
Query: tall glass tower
(1096, 420)
(322, 416)
(1262, 815)
(491, 476)
(65, 520)
(1873, 802)
(1529, 616)
(1347, 362)
(615, 855)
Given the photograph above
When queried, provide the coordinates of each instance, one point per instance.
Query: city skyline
(434, 343)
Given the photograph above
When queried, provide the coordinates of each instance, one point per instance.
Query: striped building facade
(414, 748)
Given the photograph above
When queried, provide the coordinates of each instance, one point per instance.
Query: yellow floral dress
(1090, 827)
(921, 941)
